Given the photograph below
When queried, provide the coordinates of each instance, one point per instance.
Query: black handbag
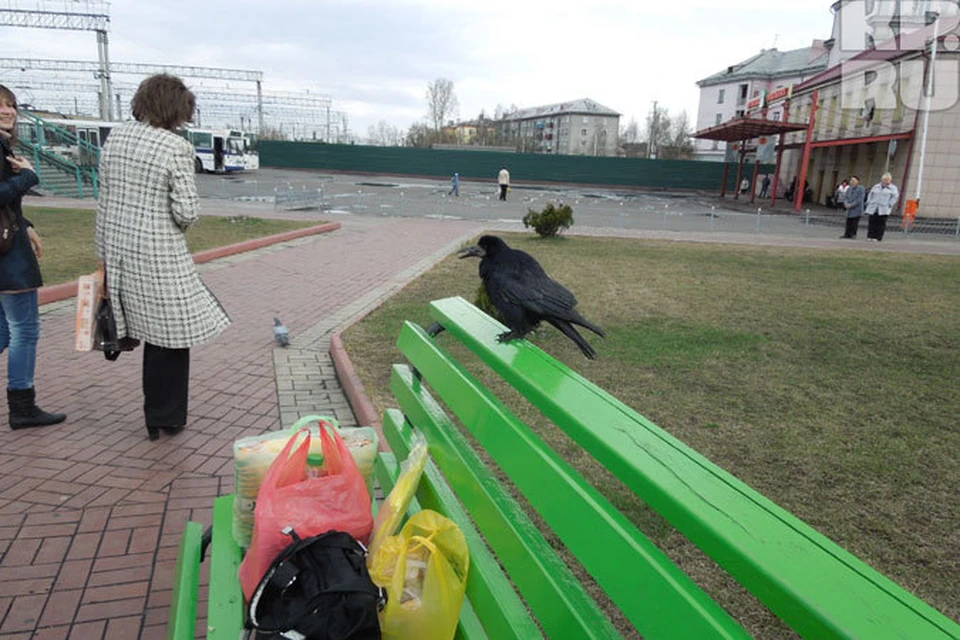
(105, 336)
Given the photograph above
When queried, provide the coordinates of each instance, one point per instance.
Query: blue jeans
(20, 331)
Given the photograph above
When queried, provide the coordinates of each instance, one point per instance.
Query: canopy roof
(747, 128)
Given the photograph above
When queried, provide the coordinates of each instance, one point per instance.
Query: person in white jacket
(881, 200)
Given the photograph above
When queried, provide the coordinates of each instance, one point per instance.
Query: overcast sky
(376, 58)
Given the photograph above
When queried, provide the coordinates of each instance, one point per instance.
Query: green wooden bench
(518, 586)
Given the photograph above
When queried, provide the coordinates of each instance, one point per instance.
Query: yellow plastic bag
(395, 506)
(424, 570)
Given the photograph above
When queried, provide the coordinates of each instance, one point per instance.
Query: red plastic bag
(290, 496)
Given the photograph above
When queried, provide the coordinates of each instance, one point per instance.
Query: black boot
(24, 412)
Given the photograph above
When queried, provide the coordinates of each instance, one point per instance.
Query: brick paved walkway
(91, 512)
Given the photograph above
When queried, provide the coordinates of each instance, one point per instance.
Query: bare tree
(658, 132)
(420, 135)
(630, 133)
(382, 135)
(441, 102)
(680, 136)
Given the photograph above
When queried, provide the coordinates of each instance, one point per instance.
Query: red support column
(776, 169)
(798, 196)
(756, 173)
(726, 176)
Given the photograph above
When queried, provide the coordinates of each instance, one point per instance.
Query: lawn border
(66, 290)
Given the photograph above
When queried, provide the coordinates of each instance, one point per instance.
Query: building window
(740, 113)
(716, 145)
(586, 119)
(720, 96)
(719, 118)
(583, 132)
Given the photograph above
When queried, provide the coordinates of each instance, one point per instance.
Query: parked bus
(217, 150)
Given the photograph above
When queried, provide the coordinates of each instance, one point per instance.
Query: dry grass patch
(827, 380)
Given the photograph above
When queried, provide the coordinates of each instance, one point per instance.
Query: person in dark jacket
(853, 203)
(19, 281)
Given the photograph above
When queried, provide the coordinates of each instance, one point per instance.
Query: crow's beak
(476, 251)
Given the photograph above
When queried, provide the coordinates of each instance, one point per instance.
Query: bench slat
(812, 583)
(492, 596)
(555, 595)
(469, 626)
(657, 597)
(186, 585)
(225, 613)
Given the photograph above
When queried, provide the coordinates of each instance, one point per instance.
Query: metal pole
(926, 106)
(259, 107)
(106, 86)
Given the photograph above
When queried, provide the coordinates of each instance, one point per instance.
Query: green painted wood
(186, 584)
(658, 598)
(552, 592)
(813, 584)
(469, 626)
(225, 610)
(494, 599)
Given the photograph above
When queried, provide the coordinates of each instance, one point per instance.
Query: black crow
(524, 294)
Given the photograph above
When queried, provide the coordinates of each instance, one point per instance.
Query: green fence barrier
(442, 163)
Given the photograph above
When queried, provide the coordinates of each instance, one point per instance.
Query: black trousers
(877, 226)
(503, 192)
(851, 229)
(166, 386)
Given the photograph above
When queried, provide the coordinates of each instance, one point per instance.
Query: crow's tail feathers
(583, 322)
(571, 333)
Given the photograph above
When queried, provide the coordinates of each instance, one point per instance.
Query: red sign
(756, 103)
(779, 94)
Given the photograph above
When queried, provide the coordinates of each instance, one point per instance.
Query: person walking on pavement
(503, 179)
(853, 203)
(455, 185)
(148, 200)
(881, 200)
(765, 185)
(19, 279)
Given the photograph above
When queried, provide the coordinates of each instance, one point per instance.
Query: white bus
(222, 150)
(217, 150)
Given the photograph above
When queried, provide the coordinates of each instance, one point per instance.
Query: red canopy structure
(742, 130)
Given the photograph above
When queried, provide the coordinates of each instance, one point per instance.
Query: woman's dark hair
(163, 101)
(10, 97)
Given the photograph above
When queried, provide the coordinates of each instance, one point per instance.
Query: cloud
(376, 58)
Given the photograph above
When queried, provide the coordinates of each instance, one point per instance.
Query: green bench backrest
(808, 581)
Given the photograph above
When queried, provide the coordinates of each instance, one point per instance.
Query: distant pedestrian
(503, 179)
(455, 185)
(880, 202)
(853, 203)
(841, 193)
(744, 185)
(764, 185)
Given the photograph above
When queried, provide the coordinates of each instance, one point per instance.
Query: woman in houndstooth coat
(148, 200)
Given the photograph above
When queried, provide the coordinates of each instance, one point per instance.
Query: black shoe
(153, 433)
(24, 412)
(172, 431)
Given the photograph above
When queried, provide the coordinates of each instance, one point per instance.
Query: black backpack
(317, 589)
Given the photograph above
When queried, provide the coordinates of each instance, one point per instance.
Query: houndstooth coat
(148, 199)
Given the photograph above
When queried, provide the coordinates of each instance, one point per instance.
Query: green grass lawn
(827, 380)
(67, 234)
